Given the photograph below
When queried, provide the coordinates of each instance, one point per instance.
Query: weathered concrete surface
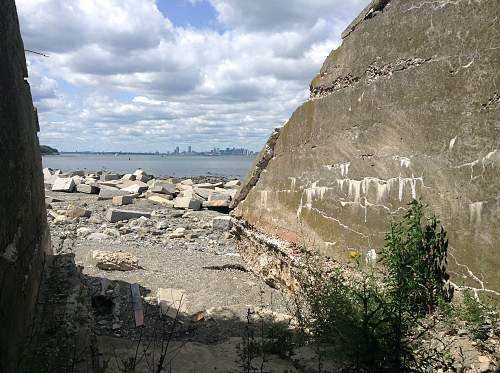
(407, 107)
(24, 236)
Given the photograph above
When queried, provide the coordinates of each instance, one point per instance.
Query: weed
(375, 317)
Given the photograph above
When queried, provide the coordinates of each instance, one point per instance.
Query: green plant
(475, 314)
(374, 317)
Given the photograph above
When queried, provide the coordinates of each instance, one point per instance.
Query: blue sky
(184, 13)
(146, 75)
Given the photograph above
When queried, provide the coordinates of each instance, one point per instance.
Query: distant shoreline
(205, 154)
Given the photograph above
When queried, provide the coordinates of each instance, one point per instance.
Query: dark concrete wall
(408, 106)
(24, 236)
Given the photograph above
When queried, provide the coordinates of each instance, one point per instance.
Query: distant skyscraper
(189, 149)
(176, 151)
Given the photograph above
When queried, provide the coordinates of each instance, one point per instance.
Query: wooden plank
(137, 305)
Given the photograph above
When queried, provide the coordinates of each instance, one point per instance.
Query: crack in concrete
(472, 276)
(372, 73)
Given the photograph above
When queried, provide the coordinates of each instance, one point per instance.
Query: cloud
(121, 76)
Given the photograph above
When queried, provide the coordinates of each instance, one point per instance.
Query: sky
(150, 75)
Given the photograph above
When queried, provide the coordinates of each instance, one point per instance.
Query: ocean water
(183, 165)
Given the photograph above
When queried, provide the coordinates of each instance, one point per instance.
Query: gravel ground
(79, 298)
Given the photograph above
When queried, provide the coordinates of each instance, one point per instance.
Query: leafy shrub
(372, 317)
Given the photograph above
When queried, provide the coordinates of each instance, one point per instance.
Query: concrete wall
(24, 236)
(408, 106)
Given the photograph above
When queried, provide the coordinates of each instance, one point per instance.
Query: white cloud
(120, 76)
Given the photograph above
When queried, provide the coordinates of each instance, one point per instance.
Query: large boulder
(407, 107)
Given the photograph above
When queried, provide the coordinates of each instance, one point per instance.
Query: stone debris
(122, 200)
(106, 193)
(222, 223)
(187, 203)
(232, 184)
(115, 215)
(77, 212)
(216, 199)
(162, 200)
(109, 177)
(63, 184)
(137, 187)
(115, 261)
(87, 189)
(128, 177)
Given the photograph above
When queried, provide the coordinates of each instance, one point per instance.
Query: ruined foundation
(407, 107)
(24, 236)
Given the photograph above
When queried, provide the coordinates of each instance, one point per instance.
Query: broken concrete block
(77, 212)
(232, 184)
(222, 223)
(63, 184)
(187, 182)
(187, 203)
(144, 178)
(219, 200)
(115, 261)
(162, 189)
(137, 187)
(109, 177)
(201, 192)
(172, 301)
(204, 186)
(46, 173)
(167, 186)
(110, 193)
(114, 215)
(86, 188)
(130, 177)
(122, 200)
(139, 172)
(162, 200)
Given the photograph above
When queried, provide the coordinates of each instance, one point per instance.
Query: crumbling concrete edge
(368, 12)
(275, 260)
(258, 167)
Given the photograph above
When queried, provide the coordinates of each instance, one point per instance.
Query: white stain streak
(484, 161)
(299, 210)
(344, 169)
(476, 211)
(293, 183)
(263, 198)
(403, 161)
(360, 188)
(452, 143)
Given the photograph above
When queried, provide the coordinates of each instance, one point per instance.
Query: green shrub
(371, 318)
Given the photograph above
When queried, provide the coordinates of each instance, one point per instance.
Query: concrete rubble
(115, 261)
(181, 194)
(114, 215)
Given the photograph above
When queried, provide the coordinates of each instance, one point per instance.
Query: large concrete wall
(406, 107)
(24, 236)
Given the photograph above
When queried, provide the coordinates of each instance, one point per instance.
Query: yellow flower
(353, 254)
